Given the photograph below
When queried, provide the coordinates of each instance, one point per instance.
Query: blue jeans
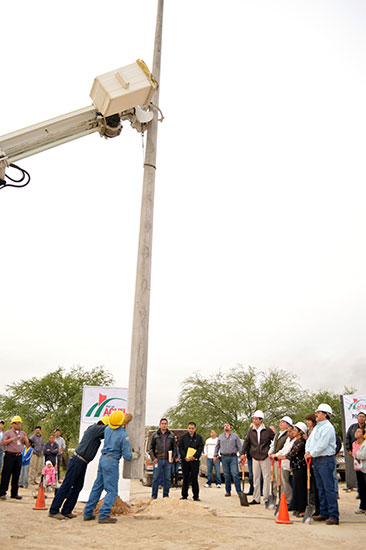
(231, 470)
(161, 476)
(1, 460)
(210, 464)
(24, 474)
(67, 494)
(107, 479)
(324, 476)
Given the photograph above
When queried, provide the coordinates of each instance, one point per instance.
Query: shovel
(271, 502)
(279, 486)
(242, 495)
(309, 511)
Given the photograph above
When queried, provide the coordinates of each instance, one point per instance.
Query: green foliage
(53, 401)
(311, 400)
(233, 397)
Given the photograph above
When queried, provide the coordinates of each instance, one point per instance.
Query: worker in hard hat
(13, 441)
(258, 440)
(67, 495)
(116, 446)
(298, 467)
(277, 444)
(321, 448)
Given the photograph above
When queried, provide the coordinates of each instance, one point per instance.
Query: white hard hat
(323, 407)
(258, 414)
(287, 419)
(302, 426)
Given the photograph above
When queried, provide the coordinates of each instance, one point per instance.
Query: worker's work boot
(108, 519)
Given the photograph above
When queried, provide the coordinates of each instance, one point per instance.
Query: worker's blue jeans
(161, 476)
(230, 469)
(324, 476)
(107, 479)
(67, 495)
(210, 464)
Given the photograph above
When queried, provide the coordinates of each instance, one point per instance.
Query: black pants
(190, 473)
(299, 490)
(11, 468)
(361, 480)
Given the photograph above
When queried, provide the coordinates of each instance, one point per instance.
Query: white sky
(259, 229)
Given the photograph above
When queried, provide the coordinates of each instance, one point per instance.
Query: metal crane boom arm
(44, 135)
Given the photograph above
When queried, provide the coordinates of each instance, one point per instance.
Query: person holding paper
(190, 449)
(163, 451)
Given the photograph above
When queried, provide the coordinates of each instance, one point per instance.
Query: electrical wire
(25, 174)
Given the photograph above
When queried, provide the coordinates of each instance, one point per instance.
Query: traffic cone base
(282, 516)
(40, 502)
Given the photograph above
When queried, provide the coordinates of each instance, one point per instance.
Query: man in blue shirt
(321, 448)
(116, 446)
(67, 495)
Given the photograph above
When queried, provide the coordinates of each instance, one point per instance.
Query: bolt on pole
(140, 330)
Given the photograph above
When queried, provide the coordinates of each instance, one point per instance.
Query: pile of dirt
(119, 508)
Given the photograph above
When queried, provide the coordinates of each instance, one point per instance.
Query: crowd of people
(23, 458)
(284, 454)
(280, 456)
(20, 451)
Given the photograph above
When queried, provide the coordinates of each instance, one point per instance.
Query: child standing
(24, 472)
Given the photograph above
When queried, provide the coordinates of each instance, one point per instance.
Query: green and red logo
(105, 406)
(358, 405)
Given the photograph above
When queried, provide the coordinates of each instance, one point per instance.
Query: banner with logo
(98, 402)
(353, 404)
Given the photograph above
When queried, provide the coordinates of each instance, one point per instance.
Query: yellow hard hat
(116, 419)
(105, 420)
(16, 419)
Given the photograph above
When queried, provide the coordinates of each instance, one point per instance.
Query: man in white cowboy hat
(116, 446)
(277, 444)
(13, 441)
(321, 448)
(259, 439)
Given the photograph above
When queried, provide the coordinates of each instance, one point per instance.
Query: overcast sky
(259, 228)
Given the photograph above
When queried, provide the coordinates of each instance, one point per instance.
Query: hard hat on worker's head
(323, 407)
(116, 419)
(302, 427)
(105, 420)
(16, 419)
(258, 414)
(287, 419)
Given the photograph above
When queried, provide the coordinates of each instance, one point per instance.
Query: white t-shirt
(210, 447)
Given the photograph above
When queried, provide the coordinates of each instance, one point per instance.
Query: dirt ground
(214, 523)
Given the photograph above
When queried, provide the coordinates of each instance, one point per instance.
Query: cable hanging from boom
(25, 174)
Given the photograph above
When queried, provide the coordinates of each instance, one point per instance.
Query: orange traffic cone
(40, 502)
(282, 516)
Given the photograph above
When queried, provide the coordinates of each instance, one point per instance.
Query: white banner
(353, 404)
(98, 402)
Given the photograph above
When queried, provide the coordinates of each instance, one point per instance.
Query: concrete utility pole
(140, 330)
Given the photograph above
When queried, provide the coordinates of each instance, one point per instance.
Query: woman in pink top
(359, 465)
